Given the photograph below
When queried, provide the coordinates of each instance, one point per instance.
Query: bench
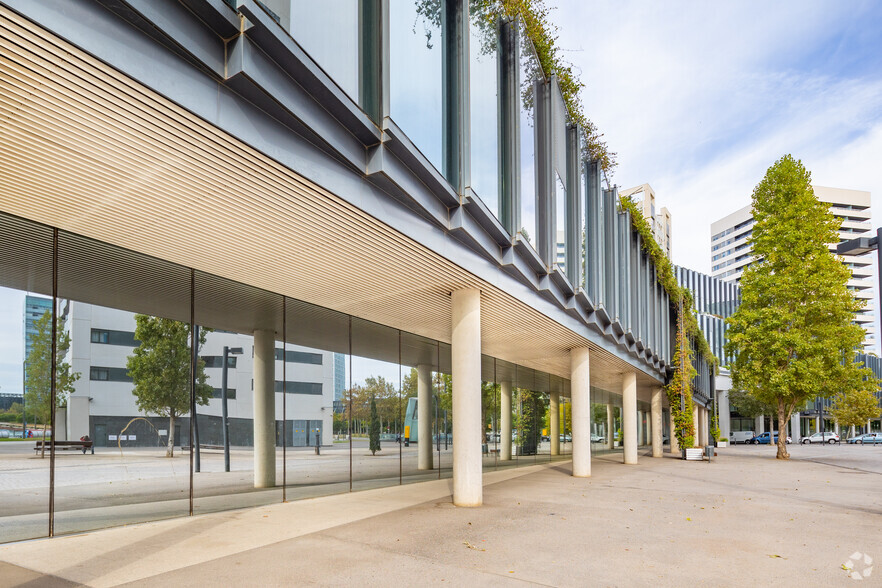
(201, 446)
(65, 445)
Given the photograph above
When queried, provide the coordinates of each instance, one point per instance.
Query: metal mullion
(53, 383)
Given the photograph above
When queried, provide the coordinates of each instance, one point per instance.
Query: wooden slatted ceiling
(90, 151)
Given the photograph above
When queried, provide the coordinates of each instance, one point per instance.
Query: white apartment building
(731, 252)
(659, 219)
(104, 407)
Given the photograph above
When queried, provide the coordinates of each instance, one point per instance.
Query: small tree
(855, 408)
(374, 431)
(793, 336)
(160, 369)
(38, 373)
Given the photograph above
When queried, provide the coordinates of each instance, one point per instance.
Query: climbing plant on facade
(679, 389)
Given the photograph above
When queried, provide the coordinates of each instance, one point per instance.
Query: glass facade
(484, 107)
(127, 448)
(415, 80)
(530, 71)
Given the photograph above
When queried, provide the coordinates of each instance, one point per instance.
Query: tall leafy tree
(793, 335)
(855, 408)
(374, 434)
(160, 369)
(38, 373)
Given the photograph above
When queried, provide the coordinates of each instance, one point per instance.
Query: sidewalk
(743, 519)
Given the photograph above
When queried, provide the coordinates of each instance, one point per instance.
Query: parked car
(872, 438)
(741, 437)
(565, 438)
(828, 437)
(595, 438)
(763, 439)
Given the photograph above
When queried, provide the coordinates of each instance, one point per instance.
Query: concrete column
(505, 421)
(657, 449)
(554, 422)
(851, 431)
(424, 417)
(580, 392)
(466, 378)
(675, 445)
(264, 409)
(836, 426)
(610, 426)
(760, 425)
(696, 425)
(725, 423)
(794, 427)
(639, 428)
(629, 416)
(818, 428)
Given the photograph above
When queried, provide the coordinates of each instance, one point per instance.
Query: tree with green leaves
(374, 433)
(747, 405)
(38, 371)
(855, 408)
(793, 336)
(160, 370)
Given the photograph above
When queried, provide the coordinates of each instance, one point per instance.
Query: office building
(351, 181)
(659, 219)
(731, 252)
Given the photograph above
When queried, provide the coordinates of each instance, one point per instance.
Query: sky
(698, 99)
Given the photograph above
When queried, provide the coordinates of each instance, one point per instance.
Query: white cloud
(698, 99)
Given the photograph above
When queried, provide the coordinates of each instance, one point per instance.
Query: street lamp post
(226, 423)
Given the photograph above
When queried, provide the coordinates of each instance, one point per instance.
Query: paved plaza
(743, 519)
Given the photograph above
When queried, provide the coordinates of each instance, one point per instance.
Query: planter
(722, 444)
(694, 454)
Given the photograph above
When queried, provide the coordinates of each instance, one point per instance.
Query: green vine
(679, 390)
(533, 14)
(664, 272)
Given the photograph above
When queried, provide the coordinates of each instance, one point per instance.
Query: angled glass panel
(484, 104)
(530, 71)
(415, 83)
(330, 35)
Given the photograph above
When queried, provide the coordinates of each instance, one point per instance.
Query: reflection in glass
(530, 70)
(130, 333)
(315, 369)
(375, 406)
(330, 36)
(484, 106)
(415, 74)
(560, 203)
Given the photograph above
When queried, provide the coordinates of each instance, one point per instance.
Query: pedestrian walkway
(744, 519)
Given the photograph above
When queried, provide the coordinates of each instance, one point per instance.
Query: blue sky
(699, 99)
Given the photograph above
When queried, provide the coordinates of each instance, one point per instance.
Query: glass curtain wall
(247, 323)
(419, 368)
(124, 387)
(317, 358)
(130, 352)
(376, 405)
(415, 80)
(530, 71)
(484, 104)
(26, 259)
(606, 421)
